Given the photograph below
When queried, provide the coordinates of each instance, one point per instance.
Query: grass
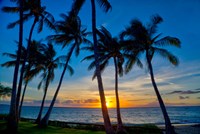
(30, 128)
(27, 127)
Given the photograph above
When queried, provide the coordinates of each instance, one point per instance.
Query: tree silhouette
(70, 34)
(109, 49)
(49, 64)
(35, 10)
(142, 39)
(106, 6)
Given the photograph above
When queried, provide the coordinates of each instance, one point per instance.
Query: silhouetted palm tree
(32, 68)
(72, 35)
(50, 63)
(144, 40)
(109, 48)
(12, 124)
(106, 6)
(35, 10)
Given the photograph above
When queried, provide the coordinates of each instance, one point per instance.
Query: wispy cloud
(156, 104)
(184, 92)
(141, 99)
(183, 98)
(80, 101)
(29, 102)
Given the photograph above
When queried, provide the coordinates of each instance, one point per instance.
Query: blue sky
(178, 85)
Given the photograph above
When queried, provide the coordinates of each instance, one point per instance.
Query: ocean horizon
(130, 116)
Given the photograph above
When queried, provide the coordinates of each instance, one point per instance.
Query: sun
(107, 104)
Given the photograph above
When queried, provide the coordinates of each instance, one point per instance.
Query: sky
(179, 86)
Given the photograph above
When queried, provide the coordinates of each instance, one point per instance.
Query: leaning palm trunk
(22, 99)
(41, 107)
(12, 124)
(169, 128)
(107, 124)
(45, 119)
(23, 66)
(120, 129)
(43, 100)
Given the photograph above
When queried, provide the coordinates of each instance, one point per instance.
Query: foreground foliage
(28, 127)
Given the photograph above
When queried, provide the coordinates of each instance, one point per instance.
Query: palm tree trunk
(22, 99)
(23, 66)
(12, 124)
(169, 128)
(107, 123)
(43, 100)
(120, 128)
(41, 107)
(44, 122)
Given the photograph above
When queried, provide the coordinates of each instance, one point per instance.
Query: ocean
(130, 116)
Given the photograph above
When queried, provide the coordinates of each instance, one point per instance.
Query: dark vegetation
(28, 126)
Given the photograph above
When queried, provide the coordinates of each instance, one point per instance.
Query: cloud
(156, 104)
(184, 92)
(140, 99)
(30, 102)
(182, 97)
(91, 101)
(147, 85)
(198, 89)
(80, 101)
(152, 104)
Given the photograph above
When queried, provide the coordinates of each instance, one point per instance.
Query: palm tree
(34, 9)
(32, 68)
(144, 40)
(5, 91)
(12, 124)
(107, 123)
(106, 6)
(109, 48)
(72, 35)
(50, 64)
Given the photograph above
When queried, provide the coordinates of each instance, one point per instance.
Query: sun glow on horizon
(107, 104)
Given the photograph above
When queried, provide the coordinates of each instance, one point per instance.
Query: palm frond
(40, 25)
(10, 9)
(76, 7)
(9, 64)
(77, 50)
(120, 68)
(172, 41)
(129, 65)
(13, 56)
(13, 24)
(92, 65)
(70, 70)
(104, 4)
(49, 21)
(152, 27)
(167, 55)
(90, 57)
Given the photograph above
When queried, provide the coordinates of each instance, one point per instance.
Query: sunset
(115, 62)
